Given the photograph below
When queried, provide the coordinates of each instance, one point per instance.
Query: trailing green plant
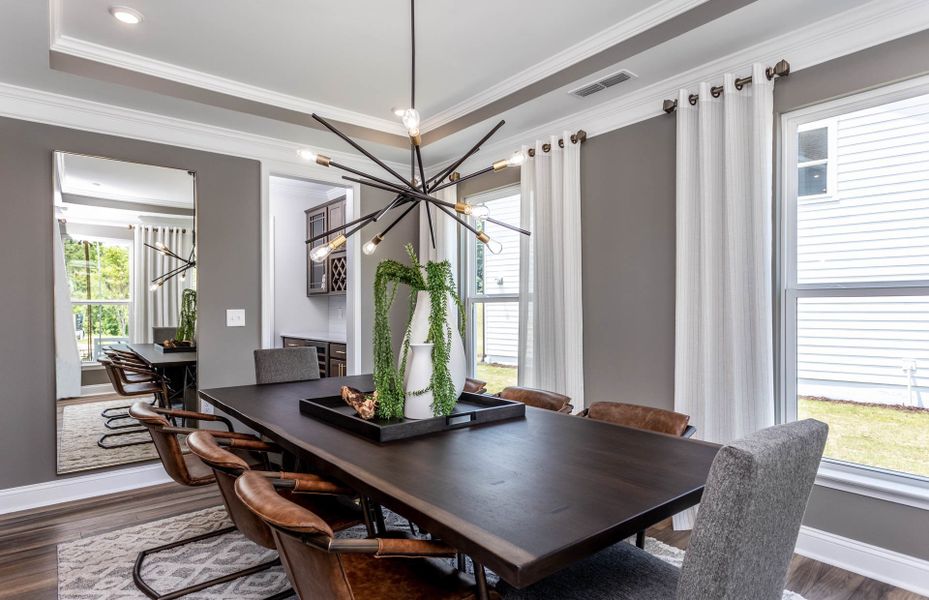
(187, 322)
(437, 279)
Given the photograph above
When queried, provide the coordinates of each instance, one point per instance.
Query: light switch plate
(235, 317)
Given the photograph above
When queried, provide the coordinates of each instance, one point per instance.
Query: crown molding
(77, 113)
(638, 23)
(133, 62)
(865, 26)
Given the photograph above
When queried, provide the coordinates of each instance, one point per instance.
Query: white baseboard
(68, 489)
(880, 564)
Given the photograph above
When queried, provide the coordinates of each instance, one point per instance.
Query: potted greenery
(187, 322)
(432, 294)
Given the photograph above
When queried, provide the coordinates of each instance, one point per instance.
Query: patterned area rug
(100, 567)
(80, 429)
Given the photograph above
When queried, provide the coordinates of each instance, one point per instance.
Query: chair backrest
(279, 365)
(538, 398)
(226, 468)
(166, 443)
(475, 386)
(639, 417)
(313, 572)
(117, 376)
(160, 334)
(750, 514)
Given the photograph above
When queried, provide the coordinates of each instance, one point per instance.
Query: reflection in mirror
(125, 303)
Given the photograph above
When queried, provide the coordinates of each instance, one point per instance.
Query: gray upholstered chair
(279, 365)
(742, 541)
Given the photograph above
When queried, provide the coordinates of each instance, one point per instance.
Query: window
(99, 278)
(855, 279)
(491, 293)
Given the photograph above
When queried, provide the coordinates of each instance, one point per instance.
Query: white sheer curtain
(724, 356)
(161, 307)
(446, 231)
(551, 348)
(67, 357)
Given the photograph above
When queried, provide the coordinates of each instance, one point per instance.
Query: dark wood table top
(525, 497)
(156, 358)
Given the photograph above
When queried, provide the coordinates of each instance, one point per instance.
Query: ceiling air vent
(601, 84)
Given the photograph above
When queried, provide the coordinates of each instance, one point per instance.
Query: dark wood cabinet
(331, 275)
(332, 357)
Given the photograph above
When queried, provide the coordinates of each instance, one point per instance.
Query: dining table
(179, 367)
(524, 497)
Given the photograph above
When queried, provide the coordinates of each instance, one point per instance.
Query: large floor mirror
(125, 252)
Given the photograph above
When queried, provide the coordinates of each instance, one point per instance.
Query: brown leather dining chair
(310, 491)
(641, 417)
(129, 381)
(475, 386)
(538, 398)
(188, 470)
(320, 565)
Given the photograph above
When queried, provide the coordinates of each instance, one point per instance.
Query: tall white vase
(419, 329)
(418, 377)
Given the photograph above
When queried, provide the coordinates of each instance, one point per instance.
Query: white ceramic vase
(418, 377)
(419, 329)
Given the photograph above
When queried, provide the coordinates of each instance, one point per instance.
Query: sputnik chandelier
(179, 271)
(409, 192)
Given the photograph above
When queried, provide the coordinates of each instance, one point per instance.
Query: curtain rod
(781, 69)
(576, 138)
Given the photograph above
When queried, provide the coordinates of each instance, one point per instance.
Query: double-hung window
(855, 279)
(491, 292)
(99, 279)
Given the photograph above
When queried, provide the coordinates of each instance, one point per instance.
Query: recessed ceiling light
(127, 15)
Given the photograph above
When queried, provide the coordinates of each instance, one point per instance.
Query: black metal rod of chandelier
(180, 270)
(414, 190)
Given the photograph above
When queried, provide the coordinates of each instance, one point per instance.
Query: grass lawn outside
(496, 376)
(888, 437)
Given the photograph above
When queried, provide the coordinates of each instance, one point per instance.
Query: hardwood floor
(28, 544)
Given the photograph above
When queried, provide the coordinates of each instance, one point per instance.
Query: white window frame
(468, 285)
(112, 302)
(910, 490)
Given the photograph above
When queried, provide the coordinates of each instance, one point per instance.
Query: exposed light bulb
(517, 159)
(126, 15)
(307, 154)
(494, 246)
(399, 111)
(320, 253)
(160, 246)
(480, 212)
(153, 287)
(410, 120)
(371, 245)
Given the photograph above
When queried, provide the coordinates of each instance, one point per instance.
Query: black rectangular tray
(161, 348)
(472, 409)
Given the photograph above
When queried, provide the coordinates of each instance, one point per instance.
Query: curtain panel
(551, 345)
(67, 356)
(159, 308)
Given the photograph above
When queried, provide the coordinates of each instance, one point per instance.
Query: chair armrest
(217, 434)
(386, 547)
(195, 416)
(250, 443)
(306, 483)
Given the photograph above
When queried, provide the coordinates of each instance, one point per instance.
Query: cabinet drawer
(337, 368)
(290, 342)
(337, 351)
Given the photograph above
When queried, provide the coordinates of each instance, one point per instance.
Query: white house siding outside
(501, 276)
(870, 225)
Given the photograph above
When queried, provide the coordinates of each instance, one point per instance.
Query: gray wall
(229, 276)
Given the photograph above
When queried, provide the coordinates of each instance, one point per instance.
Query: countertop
(338, 338)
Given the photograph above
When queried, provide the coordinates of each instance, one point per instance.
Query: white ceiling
(124, 181)
(353, 55)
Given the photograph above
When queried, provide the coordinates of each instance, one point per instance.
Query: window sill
(900, 489)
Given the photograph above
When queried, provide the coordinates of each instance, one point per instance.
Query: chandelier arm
(460, 179)
(508, 226)
(358, 147)
(166, 251)
(451, 168)
(368, 217)
(393, 186)
(467, 225)
(400, 218)
(165, 276)
(422, 178)
(381, 186)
